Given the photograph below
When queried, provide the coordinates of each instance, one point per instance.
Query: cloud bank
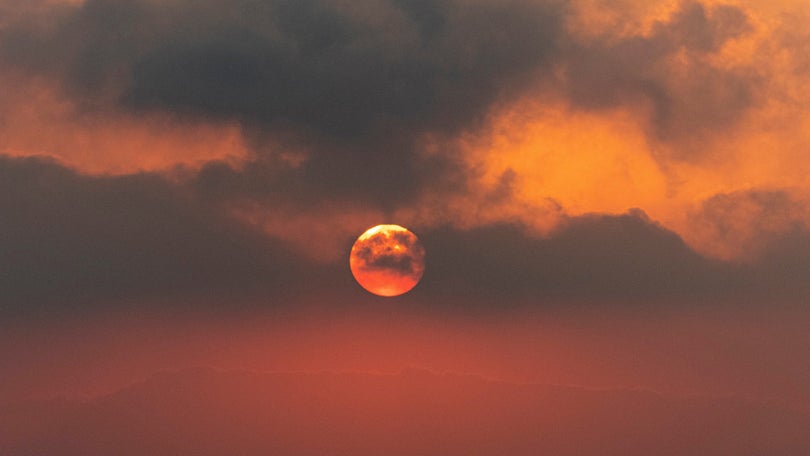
(541, 149)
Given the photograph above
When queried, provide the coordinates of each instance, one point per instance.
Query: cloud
(673, 68)
(593, 257)
(37, 119)
(345, 114)
(745, 224)
(71, 241)
(368, 101)
(381, 66)
(356, 87)
(376, 253)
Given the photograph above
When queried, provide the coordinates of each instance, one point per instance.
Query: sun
(387, 260)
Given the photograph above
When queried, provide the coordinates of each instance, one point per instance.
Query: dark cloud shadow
(70, 243)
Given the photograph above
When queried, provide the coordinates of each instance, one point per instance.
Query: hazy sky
(611, 193)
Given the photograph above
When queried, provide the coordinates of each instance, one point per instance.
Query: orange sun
(387, 260)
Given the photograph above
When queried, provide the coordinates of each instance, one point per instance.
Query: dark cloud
(783, 269)
(382, 180)
(352, 88)
(381, 68)
(72, 242)
(336, 71)
(624, 257)
(752, 219)
(68, 241)
(770, 225)
(356, 85)
(671, 69)
(318, 64)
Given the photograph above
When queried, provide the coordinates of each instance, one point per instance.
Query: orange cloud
(560, 159)
(36, 119)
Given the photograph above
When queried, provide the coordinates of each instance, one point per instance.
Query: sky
(612, 197)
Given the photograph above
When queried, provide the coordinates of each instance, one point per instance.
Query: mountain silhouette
(415, 412)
